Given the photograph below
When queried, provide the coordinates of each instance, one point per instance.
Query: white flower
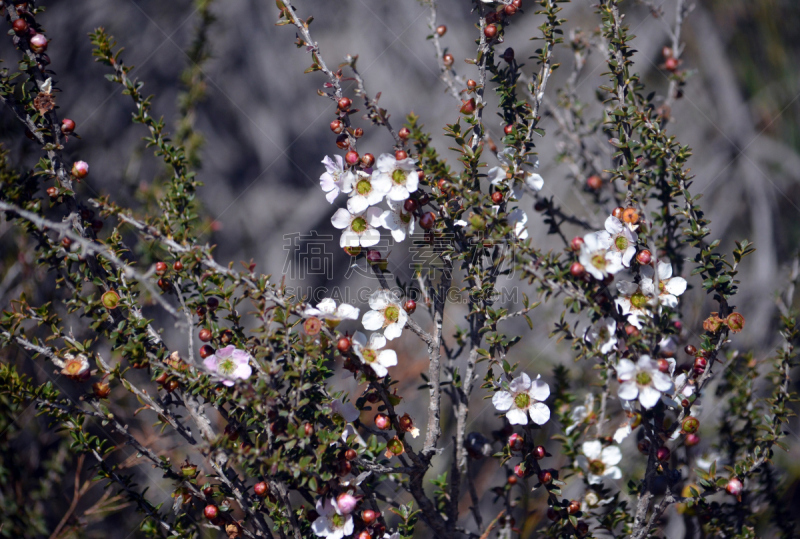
(623, 432)
(623, 241)
(524, 397)
(598, 462)
(518, 169)
(402, 175)
(581, 413)
(367, 191)
(642, 380)
(331, 523)
(335, 179)
(386, 314)
(517, 219)
(76, 367)
(371, 353)
(400, 223)
(230, 364)
(595, 256)
(682, 387)
(359, 228)
(604, 333)
(327, 310)
(634, 304)
(669, 287)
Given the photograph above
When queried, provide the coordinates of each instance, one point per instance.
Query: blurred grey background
(267, 130)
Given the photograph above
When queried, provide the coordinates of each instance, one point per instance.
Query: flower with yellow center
(371, 353)
(642, 380)
(387, 314)
(401, 175)
(598, 462)
(367, 191)
(524, 397)
(596, 257)
(358, 229)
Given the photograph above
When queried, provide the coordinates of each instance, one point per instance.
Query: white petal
(387, 358)
(374, 216)
(613, 225)
(614, 473)
(539, 412)
(664, 270)
(517, 417)
(393, 331)
(496, 175)
(611, 455)
(627, 288)
(380, 299)
(534, 181)
(622, 432)
(582, 463)
(341, 219)
(520, 384)
(539, 390)
(503, 400)
(347, 312)
(379, 369)
(661, 381)
(675, 286)
(628, 391)
(377, 341)
(370, 237)
(359, 339)
(373, 320)
(649, 396)
(386, 163)
(625, 369)
(592, 449)
(357, 204)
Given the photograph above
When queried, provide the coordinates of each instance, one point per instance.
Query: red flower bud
(663, 453)
(67, 126)
(448, 59)
(545, 477)
(508, 55)
(577, 269)
(573, 507)
(552, 514)
(410, 205)
(161, 268)
(351, 157)
(368, 516)
(410, 306)
(690, 349)
(490, 31)
(512, 480)
(80, 169)
(358, 132)
(400, 155)
(350, 454)
(671, 64)
(343, 344)
(428, 220)
(691, 440)
(337, 126)
(516, 442)
(617, 212)
(342, 142)
(471, 84)
(211, 512)
(178, 265)
(467, 106)
(539, 452)
(344, 103)
(20, 26)
(308, 429)
(497, 197)
(367, 160)
(520, 471)
(663, 365)
(441, 30)
(38, 43)
(510, 10)
(206, 351)
(404, 133)
(594, 182)
(644, 257)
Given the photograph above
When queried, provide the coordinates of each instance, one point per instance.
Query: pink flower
(230, 364)
(80, 169)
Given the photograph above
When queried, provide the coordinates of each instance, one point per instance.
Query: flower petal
(341, 219)
(628, 391)
(393, 331)
(372, 320)
(540, 413)
(517, 417)
(611, 455)
(539, 390)
(649, 396)
(503, 400)
(592, 449)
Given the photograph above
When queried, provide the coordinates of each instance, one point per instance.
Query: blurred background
(266, 132)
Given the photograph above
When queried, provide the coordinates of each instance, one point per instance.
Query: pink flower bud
(515, 441)
(346, 503)
(734, 487)
(80, 169)
(38, 43)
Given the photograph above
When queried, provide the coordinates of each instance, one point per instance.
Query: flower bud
(448, 59)
(471, 84)
(312, 326)
(38, 43)
(577, 269)
(368, 516)
(80, 169)
(67, 126)
(404, 133)
(261, 489)
(545, 477)
(690, 425)
(552, 514)
(20, 26)
(490, 31)
(519, 471)
(512, 480)
(441, 30)
(671, 64)
(644, 257)
(691, 440)
(343, 344)
(467, 106)
(690, 349)
(630, 215)
(510, 10)
(383, 422)
(573, 507)
(617, 212)
(644, 447)
(367, 160)
(344, 103)
(734, 487)
(663, 365)
(337, 126)
(211, 512)
(410, 306)
(516, 442)
(351, 157)
(594, 182)
(735, 322)
(539, 452)
(508, 55)
(101, 390)
(342, 142)
(206, 351)
(358, 132)
(663, 453)
(346, 503)
(400, 155)
(428, 220)
(205, 335)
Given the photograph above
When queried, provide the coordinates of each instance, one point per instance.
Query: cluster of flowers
(391, 179)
